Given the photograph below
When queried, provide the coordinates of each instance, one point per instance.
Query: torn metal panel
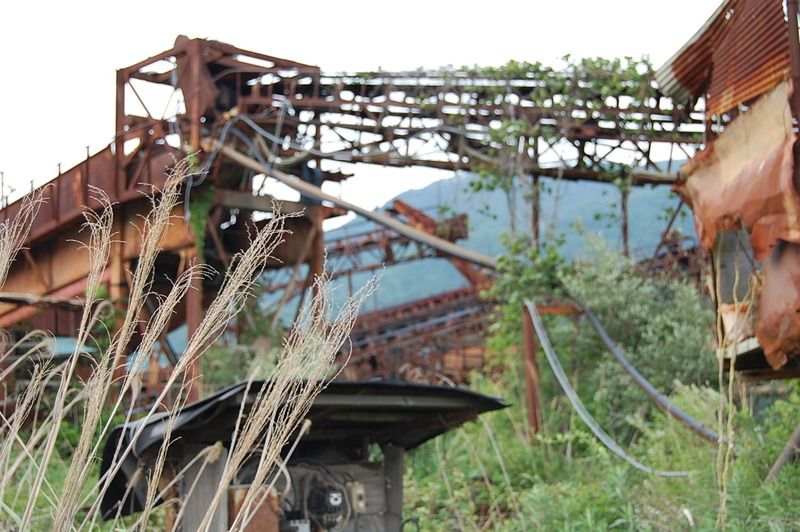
(741, 52)
(744, 184)
(745, 179)
(778, 329)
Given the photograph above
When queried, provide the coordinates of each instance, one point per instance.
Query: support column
(194, 315)
(316, 263)
(193, 100)
(316, 258)
(119, 135)
(532, 374)
(794, 54)
(626, 249)
(395, 467)
(535, 208)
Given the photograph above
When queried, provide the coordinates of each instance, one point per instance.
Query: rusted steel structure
(678, 258)
(422, 341)
(379, 247)
(241, 115)
(744, 64)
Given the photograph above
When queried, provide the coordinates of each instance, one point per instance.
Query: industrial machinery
(345, 473)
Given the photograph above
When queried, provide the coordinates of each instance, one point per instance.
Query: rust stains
(740, 53)
(744, 180)
(778, 328)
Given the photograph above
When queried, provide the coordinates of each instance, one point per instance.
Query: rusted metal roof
(741, 52)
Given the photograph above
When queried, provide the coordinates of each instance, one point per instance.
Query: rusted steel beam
(558, 310)
(221, 90)
(63, 259)
(247, 201)
(423, 222)
(769, 374)
(12, 317)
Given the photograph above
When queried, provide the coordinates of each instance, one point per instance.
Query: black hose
(660, 399)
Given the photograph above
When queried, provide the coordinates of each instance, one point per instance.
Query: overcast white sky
(59, 58)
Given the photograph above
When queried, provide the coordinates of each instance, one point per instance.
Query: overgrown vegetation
(496, 475)
(582, 92)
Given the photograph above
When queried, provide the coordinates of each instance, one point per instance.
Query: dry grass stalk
(14, 231)
(280, 407)
(309, 354)
(100, 235)
(96, 390)
(234, 291)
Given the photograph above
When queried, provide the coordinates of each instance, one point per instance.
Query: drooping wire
(202, 172)
(577, 404)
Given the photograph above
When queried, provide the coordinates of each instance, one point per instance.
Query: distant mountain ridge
(564, 205)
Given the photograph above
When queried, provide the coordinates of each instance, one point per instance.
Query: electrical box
(358, 496)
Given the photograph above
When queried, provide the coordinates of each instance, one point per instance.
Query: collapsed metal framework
(242, 115)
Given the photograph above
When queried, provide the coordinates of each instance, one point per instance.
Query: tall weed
(49, 463)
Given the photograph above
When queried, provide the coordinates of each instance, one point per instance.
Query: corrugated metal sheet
(685, 74)
(740, 53)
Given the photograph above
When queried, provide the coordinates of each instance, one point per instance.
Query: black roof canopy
(344, 414)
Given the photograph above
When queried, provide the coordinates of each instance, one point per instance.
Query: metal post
(194, 314)
(535, 208)
(626, 247)
(393, 457)
(794, 54)
(119, 135)
(532, 375)
(193, 98)
(316, 263)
